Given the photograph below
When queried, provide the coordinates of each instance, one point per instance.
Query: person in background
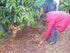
(56, 20)
(50, 5)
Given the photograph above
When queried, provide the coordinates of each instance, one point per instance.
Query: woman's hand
(41, 42)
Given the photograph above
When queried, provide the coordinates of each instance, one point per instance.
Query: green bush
(64, 5)
(17, 12)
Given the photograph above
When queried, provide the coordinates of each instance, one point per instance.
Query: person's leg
(49, 38)
(52, 37)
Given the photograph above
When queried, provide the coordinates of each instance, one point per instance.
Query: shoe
(51, 43)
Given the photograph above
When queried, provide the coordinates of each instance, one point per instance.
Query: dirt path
(26, 43)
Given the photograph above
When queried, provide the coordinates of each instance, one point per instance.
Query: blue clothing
(49, 5)
(52, 36)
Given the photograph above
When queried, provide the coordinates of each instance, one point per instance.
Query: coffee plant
(17, 12)
(64, 5)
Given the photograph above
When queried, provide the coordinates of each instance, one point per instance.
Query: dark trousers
(52, 36)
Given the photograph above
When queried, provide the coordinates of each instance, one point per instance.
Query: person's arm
(48, 29)
(57, 3)
(47, 32)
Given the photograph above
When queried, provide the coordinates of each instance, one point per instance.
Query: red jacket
(57, 19)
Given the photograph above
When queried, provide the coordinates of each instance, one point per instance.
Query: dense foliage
(64, 5)
(17, 12)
